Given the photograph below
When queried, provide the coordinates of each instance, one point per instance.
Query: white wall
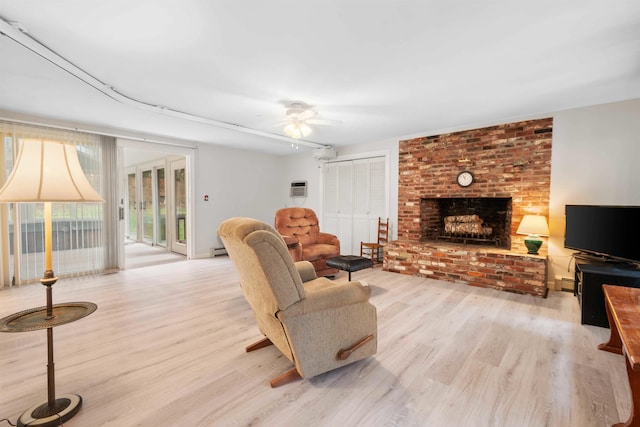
(300, 166)
(594, 160)
(238, 183)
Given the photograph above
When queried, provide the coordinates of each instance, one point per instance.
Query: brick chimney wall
(509, 160)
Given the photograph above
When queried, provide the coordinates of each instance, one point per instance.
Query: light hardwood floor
(166, 348)
(139, 255)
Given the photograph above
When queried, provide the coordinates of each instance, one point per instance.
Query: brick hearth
(470, 265)
(511, 161)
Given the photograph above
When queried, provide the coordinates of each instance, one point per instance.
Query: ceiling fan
(299, 117)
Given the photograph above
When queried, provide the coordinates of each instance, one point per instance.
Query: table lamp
(533, 226)
(48, 171)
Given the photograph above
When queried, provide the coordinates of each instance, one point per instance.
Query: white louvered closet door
(329, 222)
(345, 206)
(355, 195)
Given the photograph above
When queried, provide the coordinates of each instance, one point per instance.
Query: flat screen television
(611, 232)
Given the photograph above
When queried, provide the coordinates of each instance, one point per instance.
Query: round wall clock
(465, 179)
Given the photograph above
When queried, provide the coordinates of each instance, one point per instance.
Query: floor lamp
(48, 171)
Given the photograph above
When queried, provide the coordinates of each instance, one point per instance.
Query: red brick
(494, 275)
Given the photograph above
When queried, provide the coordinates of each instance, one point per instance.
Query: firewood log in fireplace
(466, 225)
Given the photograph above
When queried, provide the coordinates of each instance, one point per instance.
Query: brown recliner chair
(301, 225)
(316, 323)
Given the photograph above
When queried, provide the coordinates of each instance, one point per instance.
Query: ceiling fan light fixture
(297, 130)
(305, 129)
(292, 131)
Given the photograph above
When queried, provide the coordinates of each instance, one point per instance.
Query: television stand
(589, 279)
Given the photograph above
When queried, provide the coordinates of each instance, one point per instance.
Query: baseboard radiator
(219, 251)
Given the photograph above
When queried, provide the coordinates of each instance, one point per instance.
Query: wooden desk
(623, 311)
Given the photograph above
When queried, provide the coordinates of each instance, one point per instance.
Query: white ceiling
(385, 69)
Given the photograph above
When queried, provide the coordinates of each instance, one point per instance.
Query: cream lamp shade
(47, 171)
(533, 226)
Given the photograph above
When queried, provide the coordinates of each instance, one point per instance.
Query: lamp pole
(48, 281)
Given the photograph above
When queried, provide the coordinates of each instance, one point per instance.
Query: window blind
(80, 244)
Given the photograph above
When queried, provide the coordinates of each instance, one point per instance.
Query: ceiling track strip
(19, 36)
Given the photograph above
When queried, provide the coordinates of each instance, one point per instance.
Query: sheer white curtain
(81, 231)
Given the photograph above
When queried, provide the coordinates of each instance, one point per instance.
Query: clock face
(465, 179)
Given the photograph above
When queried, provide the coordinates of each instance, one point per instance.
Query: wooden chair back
(383, 231)
(374, 250)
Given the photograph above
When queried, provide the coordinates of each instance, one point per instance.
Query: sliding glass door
(156, 211)
(146, 207)
(179, 203)
(146, 204)
(131, 230)
(161, 207)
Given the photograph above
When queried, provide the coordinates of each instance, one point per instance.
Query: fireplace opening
(468, 220)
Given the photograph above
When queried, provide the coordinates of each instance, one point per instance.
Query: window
(79, 242)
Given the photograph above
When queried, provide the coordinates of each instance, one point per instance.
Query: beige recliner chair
(318, 324)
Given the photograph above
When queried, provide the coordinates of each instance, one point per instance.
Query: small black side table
(349, 263)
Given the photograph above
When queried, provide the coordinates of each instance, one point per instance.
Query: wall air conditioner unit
(298, 189)
(325, 153)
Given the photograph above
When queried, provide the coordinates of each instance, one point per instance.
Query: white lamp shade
(533, 224)
(47, 171)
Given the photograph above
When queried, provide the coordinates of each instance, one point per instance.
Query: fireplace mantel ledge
(461, 248)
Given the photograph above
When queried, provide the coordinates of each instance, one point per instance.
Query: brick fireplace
(511, 164)
(488, 220)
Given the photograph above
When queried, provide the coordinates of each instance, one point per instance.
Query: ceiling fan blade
(324, 122)
(306, 115)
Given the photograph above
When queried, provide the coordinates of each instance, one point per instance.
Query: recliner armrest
(294, 247)
(306, 270)
(328, 297)
(328, 239)
(290, 240)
